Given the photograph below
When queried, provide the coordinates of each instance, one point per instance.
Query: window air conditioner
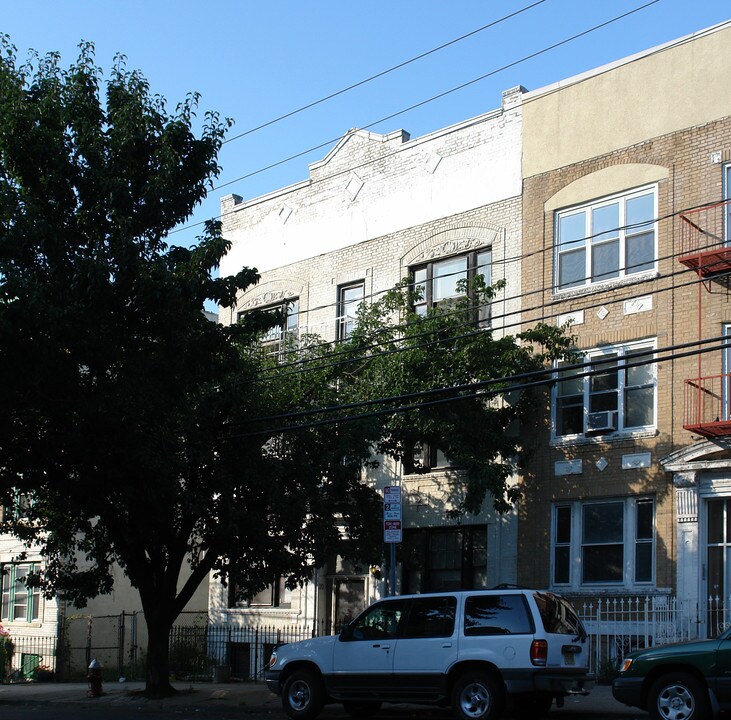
(601, 421)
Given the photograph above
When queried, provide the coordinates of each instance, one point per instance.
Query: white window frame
(8, 581)
(427, 280)
(621, 351)
(347, 309)
(726, 183)
(275, 341)
(623, 232)
(631, 545)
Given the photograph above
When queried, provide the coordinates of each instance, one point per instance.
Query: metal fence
(203, 651)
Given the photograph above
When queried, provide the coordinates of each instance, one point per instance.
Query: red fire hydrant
(94, 676)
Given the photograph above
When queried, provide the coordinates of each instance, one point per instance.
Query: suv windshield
(558, 616)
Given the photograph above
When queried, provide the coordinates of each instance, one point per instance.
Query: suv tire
(678, 696)
(476, 697)
(303, 695)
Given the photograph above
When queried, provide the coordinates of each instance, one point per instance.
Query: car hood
(692, 647)
(319, 650)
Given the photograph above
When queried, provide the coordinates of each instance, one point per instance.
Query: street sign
(392, 527)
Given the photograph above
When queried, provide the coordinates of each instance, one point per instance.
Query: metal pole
(392, 570)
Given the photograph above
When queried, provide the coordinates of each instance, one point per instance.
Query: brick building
(630, 489)
(376, 208)
(610, 187)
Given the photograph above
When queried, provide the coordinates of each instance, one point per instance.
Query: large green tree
(117, 393)
(146, 436)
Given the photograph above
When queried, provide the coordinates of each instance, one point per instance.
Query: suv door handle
(446, 645)
(383, 647)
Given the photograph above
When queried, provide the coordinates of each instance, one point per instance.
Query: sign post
(392, 529)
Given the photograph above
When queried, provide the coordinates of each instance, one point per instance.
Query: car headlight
(273, 659)
(626, 665)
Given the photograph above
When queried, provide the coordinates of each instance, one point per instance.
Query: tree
(117, 392)
(146, 436)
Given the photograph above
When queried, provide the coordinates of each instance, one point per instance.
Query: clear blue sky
(255, 61)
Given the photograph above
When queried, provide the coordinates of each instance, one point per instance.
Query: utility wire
(477, 394)
(425, 139)
(441, 95)
(521, 311)
(400, 65)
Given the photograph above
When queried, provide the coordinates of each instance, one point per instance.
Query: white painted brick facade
(374, 206)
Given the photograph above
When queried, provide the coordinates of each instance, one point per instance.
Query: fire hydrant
(94, 676)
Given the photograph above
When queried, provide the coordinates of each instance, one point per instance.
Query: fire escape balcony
(707, 406)
(704, 239)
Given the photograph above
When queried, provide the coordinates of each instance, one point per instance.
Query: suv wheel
(476, 697)
(302, 695)
(678, 696)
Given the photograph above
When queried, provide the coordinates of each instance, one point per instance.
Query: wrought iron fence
(204, 651)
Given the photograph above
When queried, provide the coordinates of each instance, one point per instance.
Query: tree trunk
(158, 659)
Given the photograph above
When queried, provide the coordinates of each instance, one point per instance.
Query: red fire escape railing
(707, 405)
(704, 236)
(704, 239)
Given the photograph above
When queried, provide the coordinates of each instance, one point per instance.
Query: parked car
(683, 681)
(478, 651)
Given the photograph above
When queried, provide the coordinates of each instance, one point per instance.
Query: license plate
(569, 659)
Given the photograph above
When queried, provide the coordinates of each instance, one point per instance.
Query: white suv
(478, 650)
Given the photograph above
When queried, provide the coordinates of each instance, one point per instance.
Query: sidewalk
(599, 703)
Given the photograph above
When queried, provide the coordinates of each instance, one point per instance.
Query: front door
(718, 564)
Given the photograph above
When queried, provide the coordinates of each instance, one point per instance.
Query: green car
(685, 681)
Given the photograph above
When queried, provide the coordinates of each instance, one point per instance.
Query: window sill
(604, 439)
(268, 609)
(594, 288)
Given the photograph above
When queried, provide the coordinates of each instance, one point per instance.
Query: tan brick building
(621, 497)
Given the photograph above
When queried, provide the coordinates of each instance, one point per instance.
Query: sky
(254, 62)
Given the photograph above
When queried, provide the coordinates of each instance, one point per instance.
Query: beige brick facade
(685, 166)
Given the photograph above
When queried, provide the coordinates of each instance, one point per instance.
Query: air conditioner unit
(601, 421)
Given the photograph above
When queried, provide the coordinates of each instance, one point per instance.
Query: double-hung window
(20, 603)
(609, 239)
(436, 283)
(604, 542)
(349, 299)
(284, 334)
(614, 392)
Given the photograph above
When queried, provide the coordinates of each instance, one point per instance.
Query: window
(605, 240)
(276, 594)
(19, 602)
(497, 615)
(349, 299)
(284, 335)
(428, 456)
(430, 617)
(607, 542)
(616, 394)
(378, 622)
(439, 559)
(436, 283)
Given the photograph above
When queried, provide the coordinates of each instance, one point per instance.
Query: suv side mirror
(346, 633)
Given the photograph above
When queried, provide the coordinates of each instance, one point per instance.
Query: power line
(381, 74)
(480, 393)
(424, 102)
(276, 372)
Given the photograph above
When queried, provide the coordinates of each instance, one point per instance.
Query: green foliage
(118, 394)
(148, 436)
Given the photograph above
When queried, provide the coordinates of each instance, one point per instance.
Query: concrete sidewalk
(599, 703)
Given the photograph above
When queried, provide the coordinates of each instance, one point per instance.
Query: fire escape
(706, 249)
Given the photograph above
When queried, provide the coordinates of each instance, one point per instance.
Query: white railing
(619, 625)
